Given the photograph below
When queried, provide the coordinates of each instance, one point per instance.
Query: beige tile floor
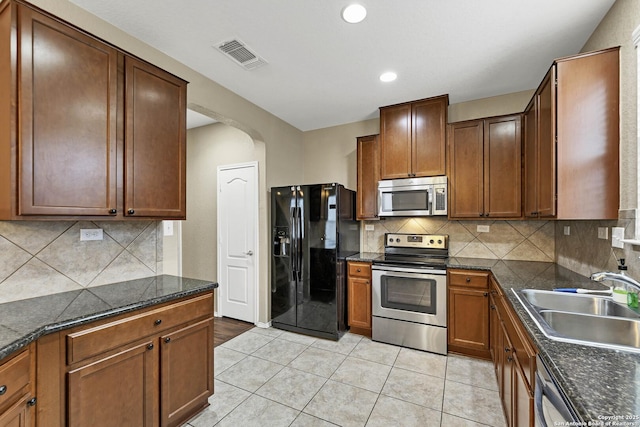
(269, 377)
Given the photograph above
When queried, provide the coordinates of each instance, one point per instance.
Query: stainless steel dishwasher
(551, 406)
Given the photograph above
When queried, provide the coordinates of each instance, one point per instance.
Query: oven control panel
(435, 241)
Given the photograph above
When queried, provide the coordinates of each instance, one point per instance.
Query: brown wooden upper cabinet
(368, 176)
(485, 168)
(571, 142)
(412, 138)
(86, 129)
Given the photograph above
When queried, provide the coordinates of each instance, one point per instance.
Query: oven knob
(431, 241)
(390, 240)
(440, 242)
(398, 240)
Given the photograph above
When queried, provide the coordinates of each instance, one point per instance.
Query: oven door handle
(388, 268)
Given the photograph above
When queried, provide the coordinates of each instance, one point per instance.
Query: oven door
(410, 294)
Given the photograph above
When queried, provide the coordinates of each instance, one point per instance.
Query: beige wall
(207, 148)
(492, 106)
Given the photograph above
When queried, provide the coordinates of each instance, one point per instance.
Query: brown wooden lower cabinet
(359, 297)
(468, 312)
(17, 390)
(145, 368)
(514, 361)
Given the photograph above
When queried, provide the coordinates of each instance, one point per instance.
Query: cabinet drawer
(469, 278)
(93, 341)
(360, 269)
(14, 378)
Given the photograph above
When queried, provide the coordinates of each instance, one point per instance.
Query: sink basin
(577, 303)
(583, 319)
(606, 330)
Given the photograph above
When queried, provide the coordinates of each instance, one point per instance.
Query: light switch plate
(617, 234)
(167, 227)
(603, 233)
(482, 229)
(369, 227)
(90, 234)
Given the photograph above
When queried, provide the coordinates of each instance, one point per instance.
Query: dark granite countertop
(599, 382)
(364, 256)
(24, 321)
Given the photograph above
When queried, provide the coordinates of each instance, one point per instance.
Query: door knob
(249, 253)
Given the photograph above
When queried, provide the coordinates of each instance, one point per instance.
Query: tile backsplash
(583, 252)
(43, 257)
(510, 240)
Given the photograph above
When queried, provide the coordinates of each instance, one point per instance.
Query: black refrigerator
(313, 230)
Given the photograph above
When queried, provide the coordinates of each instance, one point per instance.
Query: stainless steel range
(410, 292)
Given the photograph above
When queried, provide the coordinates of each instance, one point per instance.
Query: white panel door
(237, 241)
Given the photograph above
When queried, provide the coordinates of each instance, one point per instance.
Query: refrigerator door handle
(292, 236)
(299, 244)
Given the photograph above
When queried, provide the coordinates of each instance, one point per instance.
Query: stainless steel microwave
(413, 196)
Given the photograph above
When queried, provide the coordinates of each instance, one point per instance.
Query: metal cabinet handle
(3, 389)
(113, 211)
(32, 402)
(157, 322)
(131, 211)
(468, 279)
(150, 346)
(167, 340)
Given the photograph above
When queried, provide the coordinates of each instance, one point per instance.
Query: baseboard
(263, 325)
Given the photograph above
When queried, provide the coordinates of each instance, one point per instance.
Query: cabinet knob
(113, 211)
(358, 270)
(509, 359)
(367, 282)
(131, 211)
(481, 214)
(507, 349)
(157, 322)
(150, 346)
(3, 389)
(485, 294)
(32, 402)
(493, 307)
(167, 340)
(533, 213)
(468, 279)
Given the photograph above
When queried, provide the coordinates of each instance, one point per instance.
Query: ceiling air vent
(241, 54)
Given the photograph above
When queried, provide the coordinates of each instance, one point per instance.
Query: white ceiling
(323, 72)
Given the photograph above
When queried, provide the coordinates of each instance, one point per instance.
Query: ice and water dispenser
(281, 241)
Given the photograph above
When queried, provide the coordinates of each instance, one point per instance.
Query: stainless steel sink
(583, 319)
(577, 303)
(607, 330)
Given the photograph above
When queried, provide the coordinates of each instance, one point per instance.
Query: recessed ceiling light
(389, 76)
(354, 13)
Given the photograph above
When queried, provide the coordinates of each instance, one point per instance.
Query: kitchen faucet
(616, 277)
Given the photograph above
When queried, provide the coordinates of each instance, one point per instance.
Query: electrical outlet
(369, 227)
(91, 234)
(567, 230)
(617, 234)
(482, 229)
(603, 233)
(168, 228)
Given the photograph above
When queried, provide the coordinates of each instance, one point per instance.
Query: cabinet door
(368, 177)
(395, 141)
(508, 371)
(21, 414)
(502, 167)
(119, 390)
(466, 171)
(531, 160)
(546, 137)
(523, 409)
(428, 131)
(468, 325)
(359, 298)
(155, 142)
(68, 106)
(186, 372)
